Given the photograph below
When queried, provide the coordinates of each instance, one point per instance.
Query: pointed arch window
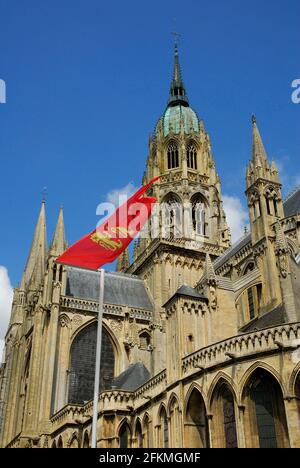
(229, 418)
(82, 370)
(144, 340)
(172, 216)
(124, 436)
(138, 435)
(272, 200)
(163, 429)
(199, 215)
(191, 156)
(173, 156)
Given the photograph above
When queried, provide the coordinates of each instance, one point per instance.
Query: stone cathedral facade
(201, 338)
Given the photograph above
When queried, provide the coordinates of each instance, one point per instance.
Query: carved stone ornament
(77, 320)
(283, 265)
(64, 321)
(116, 325)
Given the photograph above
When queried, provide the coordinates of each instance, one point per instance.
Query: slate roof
(236, 247)
(270, 319)
(291, 204)
(188, 291)
(132, 378)
(119, 288)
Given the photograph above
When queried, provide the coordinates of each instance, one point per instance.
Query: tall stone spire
(177, 89)
(35, 266)
(260, 167)
(59, 243)
(259, 155)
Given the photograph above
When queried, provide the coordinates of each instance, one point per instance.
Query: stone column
(292, 411)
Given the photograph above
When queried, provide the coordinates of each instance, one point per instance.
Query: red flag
(107, 242)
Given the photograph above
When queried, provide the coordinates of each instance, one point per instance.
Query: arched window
(175, 423)
(60, 443)
(250, 267)
(60, 273)
(271, 201)
(144, 340)
(164, 429)
(198, 215)
(265, 411)
(146, 425)
(254, 295)
(82, 371)
(196, 431)
(224, 434)
(171, 216)
(229, 418)
(173, 156)
(74, 443)
(139, 435)
(124, 436)
(54, 271)
(86, 440)
(191, 156)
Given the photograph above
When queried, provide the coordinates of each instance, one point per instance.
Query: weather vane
(44, 193)
(176, 36)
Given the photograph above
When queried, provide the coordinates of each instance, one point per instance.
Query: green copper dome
(172, 117)
(178, 105)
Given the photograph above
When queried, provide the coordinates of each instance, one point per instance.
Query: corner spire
(209, 270)
(259, 154)
(59, 243)
(177, 93)
(35, 266)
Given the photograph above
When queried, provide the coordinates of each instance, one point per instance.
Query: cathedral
(200, 338)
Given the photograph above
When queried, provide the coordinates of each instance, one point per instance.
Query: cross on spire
(44, 194)
(176, 37)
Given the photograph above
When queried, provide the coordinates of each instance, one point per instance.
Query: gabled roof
(270, 319)
(132, 378)
(187, 291)
(236, 247)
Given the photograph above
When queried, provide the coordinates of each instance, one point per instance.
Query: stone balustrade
(77, 304)
(242, 346)
(67, 415)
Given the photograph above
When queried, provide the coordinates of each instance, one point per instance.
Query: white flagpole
(98, 359)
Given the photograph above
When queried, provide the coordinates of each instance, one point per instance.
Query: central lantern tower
(191, 222)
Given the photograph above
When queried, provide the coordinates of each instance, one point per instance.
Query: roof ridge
(291, 193)
(235, 244)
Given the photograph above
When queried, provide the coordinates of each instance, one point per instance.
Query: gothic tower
(190, 221)
(268, 240)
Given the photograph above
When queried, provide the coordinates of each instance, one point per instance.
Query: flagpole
(98, 359)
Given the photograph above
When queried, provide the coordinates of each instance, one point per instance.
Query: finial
(176, 36)
(177, 93)
(44, 193)
(253, 119)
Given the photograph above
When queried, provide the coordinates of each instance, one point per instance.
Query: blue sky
(87, 81)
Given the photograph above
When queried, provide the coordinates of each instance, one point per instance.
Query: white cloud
(290, 180)
(6, 296)
(237, 216)
(117, 196)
